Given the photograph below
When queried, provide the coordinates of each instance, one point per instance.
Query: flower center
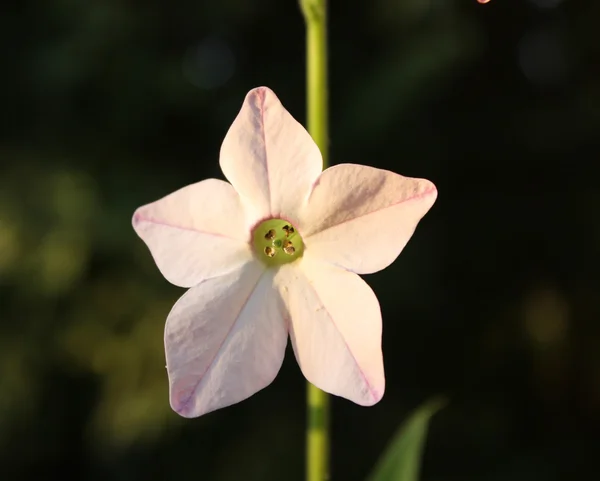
(276, 242)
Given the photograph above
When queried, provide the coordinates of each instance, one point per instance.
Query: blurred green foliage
(402, 459)
(108, 105)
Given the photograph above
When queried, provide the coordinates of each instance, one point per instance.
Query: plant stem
(315, 15)
(317, 434)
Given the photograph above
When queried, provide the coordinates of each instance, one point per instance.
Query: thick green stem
(317, 434)
(315, 15)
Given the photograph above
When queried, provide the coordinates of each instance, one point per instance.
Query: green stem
(315, 15)
(317, 434)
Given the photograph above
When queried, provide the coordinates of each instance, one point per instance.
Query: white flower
(275, 252)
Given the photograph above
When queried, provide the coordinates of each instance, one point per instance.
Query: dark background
(109, 104)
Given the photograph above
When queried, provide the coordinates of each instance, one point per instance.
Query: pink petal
(360, 218)
(225, 340)
(270, 158)
(196, 232)
(335, 329)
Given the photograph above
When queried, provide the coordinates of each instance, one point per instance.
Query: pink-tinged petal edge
(335, 327)
(269, 157)
(361, 218)
(195, 233)
(225, 340)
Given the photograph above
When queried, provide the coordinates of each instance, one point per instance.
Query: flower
(277, 251)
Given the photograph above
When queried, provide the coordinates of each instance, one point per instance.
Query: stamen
(276, 242)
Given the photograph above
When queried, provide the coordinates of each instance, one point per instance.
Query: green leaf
(402, 459)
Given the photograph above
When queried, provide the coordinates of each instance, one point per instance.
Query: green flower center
(276, 242)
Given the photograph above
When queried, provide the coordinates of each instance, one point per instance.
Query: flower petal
(360, 218)
(196, 232)
(335, 329)
(225, 340)
(269, 158)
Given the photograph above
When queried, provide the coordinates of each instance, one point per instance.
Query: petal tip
(182, 411)
(137, 218)
(376, 396)
(426, 192)
(260, 93)
(431, 189)
(137, 222)
(432, 193)
(262, 99)
(180, 402)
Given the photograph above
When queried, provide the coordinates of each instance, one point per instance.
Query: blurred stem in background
(315, 16)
